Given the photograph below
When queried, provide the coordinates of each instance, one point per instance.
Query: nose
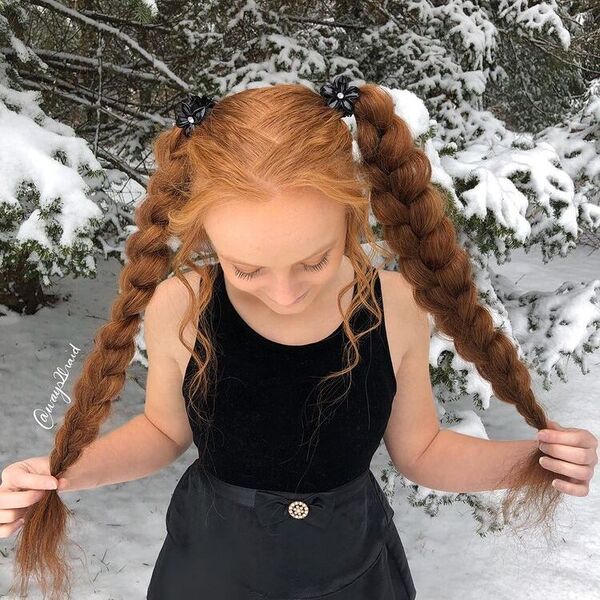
(286, 294)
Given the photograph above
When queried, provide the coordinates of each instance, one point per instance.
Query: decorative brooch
(340, 95)
(192, 112)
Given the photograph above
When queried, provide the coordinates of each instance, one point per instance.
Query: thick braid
(41, 550)
(412, 215)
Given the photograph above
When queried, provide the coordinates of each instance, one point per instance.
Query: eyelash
(316, 267)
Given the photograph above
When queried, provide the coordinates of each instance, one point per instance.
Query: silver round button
(298, 509)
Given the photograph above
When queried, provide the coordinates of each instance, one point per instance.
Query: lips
(300, 297)
(296, 300)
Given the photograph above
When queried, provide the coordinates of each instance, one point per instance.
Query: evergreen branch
(117, 105)
(61, 59)
(122, 21)
(117, 163)
(520, 75)
(326, 23)
(128, 40)
(36, 85)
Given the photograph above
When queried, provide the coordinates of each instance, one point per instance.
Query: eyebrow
(327, 247)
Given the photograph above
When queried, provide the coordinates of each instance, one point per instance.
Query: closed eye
(317, 267)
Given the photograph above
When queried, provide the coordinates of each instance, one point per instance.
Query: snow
(120, 528)
(26, 154)
(493, 166)
(541, 16)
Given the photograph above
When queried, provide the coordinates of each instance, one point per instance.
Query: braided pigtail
(412, 215)
(41, 550)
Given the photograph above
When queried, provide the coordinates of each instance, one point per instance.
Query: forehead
(289, 227)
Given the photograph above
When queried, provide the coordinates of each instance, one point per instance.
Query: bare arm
(133, 450)
(440, 459)
(455, 462)
(158, 436)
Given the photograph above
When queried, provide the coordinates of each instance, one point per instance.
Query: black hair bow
(192, 112)
(340, 95)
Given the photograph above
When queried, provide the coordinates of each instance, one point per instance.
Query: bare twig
(115, 104)
(321, 22)
(128, 40)
(63, 59)
(122, 21)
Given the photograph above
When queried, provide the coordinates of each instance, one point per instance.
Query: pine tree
(49, 176)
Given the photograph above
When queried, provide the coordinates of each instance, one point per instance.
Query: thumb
(554, 425)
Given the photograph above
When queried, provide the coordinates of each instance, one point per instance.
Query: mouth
(300, 298)
(296, 301)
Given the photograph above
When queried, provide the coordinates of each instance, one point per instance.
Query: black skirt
(227, 542)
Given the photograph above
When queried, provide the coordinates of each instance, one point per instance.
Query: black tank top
(262, 407)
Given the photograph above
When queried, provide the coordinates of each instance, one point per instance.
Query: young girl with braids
(285, 356)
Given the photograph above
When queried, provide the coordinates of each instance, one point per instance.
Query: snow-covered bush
(47, 216)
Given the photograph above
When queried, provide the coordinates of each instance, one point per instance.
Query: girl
(285, 356)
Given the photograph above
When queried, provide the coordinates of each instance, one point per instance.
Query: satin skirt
(227, 542)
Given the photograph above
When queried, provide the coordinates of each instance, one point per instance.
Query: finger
(580, 456)
(574, 489)
(20, 499)
(581, 472)
(9, 515)
(23, 480)
(10, 528)
(578, 437)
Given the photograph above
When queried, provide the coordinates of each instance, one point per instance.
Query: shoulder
(399, 293)
(165, 313)
(407, 323)
(171, 296)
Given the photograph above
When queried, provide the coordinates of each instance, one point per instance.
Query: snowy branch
(122, 166)
(326, 23)
(62, 60)
(129, 41)
(121, 21)
(132, 112)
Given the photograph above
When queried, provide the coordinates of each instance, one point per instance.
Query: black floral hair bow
(340, 95)
(192, 112)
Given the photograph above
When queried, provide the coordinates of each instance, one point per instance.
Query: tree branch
(136, 113)
(64, 57)
(320, 22)
(36, 85)
(117, 163)
(122, 21)
(128, 40)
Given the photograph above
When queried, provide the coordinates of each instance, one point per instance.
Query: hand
(23, 483)
(575, 457)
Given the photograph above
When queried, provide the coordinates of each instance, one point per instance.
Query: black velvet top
(263, 404)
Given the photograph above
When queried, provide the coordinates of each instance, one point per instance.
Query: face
(284, 252)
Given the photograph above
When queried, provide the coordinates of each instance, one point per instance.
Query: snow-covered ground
(120, 528)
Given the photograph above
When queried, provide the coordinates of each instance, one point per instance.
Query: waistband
(272, 507)
(247, 496)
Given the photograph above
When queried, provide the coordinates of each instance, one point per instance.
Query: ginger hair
(252, 143)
